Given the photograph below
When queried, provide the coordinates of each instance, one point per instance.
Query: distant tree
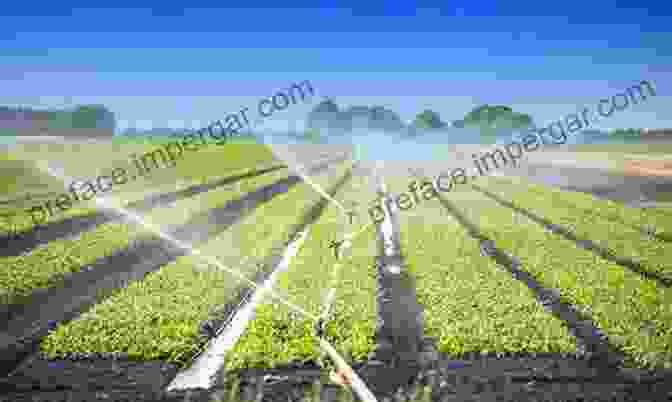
(626, 134)
(490, 119)
(428, 119)
(312, 135)
(93, 116)
(485, 114)
(326, 106)
(60, 119)
(355, 117)
(324, 115)
(328, 118)
(382, 118)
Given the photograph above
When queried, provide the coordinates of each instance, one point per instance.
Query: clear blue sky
(167, 66)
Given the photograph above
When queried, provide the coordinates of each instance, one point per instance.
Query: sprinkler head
(319, 328)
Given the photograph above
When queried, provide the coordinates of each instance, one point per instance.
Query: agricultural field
(621, 158)
(153, 309)
(478, 258)
(633, 311)
(625, 234)
(26, 183)
(653, 219)
(341, 290)
(44, 266)
(472, 305)
(629, 307)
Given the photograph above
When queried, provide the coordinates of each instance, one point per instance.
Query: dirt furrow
(401, 349)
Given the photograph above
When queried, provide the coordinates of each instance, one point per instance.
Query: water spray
(352, 378)
(300, 171)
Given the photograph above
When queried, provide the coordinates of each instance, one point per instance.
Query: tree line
(81, 116)
(328, 118)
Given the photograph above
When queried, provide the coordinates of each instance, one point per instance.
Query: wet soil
(470, 378)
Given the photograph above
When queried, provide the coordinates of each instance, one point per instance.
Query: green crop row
(85, 159)
(278, 335)
(658, 219)
(470, 303)
(621, 240)
(186, 209)
(44, 266)
(635, 313)
(195, 168)
(159, 316)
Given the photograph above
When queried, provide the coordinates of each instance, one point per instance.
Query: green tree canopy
(327, 115)
(628, 135)
(490, 118)
(93, 116)
(312, 136)
(626, 132)
(428, 119)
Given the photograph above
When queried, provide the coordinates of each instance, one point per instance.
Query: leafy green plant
(159, 316)
(621, 240)
(471, 304)
(197, 168)
(620, 302)
(276, 336)
(44, 266)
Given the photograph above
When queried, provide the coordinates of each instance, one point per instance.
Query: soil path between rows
(524, 377)
(401, 349)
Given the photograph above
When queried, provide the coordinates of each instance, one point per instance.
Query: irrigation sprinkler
(336, 245)
(649, 230)
(351, 214)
